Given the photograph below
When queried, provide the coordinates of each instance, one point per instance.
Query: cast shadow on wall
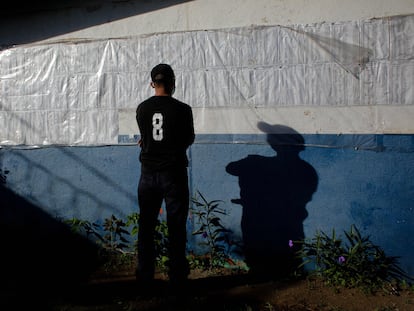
(274, 192)
(66, 16)
(39, 254)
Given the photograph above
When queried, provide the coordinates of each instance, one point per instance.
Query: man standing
(167, 130)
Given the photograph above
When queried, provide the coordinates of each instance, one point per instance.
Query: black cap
(162, 73)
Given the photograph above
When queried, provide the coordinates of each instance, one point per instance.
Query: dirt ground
(216, 291)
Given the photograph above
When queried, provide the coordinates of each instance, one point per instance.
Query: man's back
(166, 127)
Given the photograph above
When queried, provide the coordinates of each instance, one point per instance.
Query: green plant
(214, 235)
(132, 222)
(357, 263)
(115, 232)
(111, 235)
(160, 239)
(198, 261)
(161, 244)
(115, 240)
(84, 227)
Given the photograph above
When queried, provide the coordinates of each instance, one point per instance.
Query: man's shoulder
(146, 101)
(162, 101)
(179, 102)
(143, 105)
(184, 106)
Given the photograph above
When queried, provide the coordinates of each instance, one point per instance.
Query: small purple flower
(204, 235)
(290, 243)
(341, 259)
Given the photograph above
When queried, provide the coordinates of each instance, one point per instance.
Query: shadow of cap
(282, 135)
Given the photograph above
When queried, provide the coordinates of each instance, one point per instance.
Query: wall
(112, 19)
(353, 126)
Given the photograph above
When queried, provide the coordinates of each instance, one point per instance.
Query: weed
(111, 236)
(161, 245)
(214, 235)
(358, 263)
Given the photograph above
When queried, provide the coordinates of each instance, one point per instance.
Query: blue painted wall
(364, 180)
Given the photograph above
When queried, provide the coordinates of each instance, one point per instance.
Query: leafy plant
(111, 235)
(355, 263)
(161, 237)
(132, 221)
(84, 227)
(115, 232)
(161, 244)
(116, 237)
(214, 235)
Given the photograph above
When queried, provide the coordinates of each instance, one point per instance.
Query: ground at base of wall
(216, 291)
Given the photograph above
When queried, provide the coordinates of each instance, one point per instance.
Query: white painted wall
(370, 64)
(193, 15)
(216, 14)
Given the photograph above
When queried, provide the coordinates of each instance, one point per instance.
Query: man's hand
(140, 142)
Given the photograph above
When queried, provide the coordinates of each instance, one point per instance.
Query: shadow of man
(274, 192)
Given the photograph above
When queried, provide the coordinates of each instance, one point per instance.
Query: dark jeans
(153, 188)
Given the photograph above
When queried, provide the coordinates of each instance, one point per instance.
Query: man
(167, 130)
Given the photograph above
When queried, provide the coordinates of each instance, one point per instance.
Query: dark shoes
(177, 284)
(145, 284)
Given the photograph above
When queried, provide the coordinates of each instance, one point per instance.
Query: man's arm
(137, 117)
(190, 130)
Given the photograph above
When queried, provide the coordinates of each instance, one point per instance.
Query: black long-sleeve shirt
(167, 130)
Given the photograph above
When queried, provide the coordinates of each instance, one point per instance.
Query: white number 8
(157, 133)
